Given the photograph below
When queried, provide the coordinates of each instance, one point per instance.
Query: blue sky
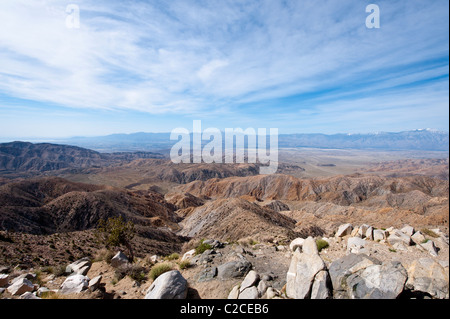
(151, 66)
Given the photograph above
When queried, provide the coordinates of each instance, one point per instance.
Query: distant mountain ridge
(421, 139)
(24, 156)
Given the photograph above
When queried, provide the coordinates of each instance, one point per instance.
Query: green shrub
(184, 264)
(429, 232)
(202, 248)
(321, 244)
(174, 256)
(159, 269)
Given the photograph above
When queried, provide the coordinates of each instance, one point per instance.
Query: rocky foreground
(356, 263)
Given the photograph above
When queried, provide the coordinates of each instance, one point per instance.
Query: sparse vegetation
(173, 256)
(429, 232)
(184, 264)
(104, 255)
(202, 247)
(159, 269)
(135, 272)
(321, 244)
(115, 232)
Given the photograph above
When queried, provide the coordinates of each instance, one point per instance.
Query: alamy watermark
(214, 146)
(373, 19)
(73, 16)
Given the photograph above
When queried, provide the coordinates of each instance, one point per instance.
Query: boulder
(418, 238)
(249, 293)
(408, 230)
(74, 284)
(234, 293)
(154, 259)
(29, 276)
(428, 276)
(321, 288)
(207, 274)
(303, 269)
(344, 267)
(272, 293)
(344, 230)
(28, 295)
(262, 288)
(188, 255)
(430, 248)
(362, 230)
(384, 281)
(397, 236)
(355, 232)
(94, 283)
(169, 285)
(233, 269)
(120, 259)
(296, 243)
(356, 245)
(42, 290)
(379, 235)
(80, 267)
(369, 233)
(251, 279)
(20, 287)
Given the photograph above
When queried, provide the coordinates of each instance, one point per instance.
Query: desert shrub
(59, 270)
(313, 231)
(159, 269)
(104, 255)
(429, 232)
(184, 264)
(202, 247)
(173, 256)
(115, 232)
(321, 244)
(135, 272)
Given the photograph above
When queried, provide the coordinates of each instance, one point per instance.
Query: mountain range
(421, 139)
(25, 157)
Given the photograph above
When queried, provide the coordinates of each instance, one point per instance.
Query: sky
(302, 66)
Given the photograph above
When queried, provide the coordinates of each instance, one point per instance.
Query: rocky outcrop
(385, 281)
(74, 284)
(79, 267)
(20, 286)
(254, 286)
(170, 285)
(233, 269)
(119, 260)
(301, 276)
(428, 277)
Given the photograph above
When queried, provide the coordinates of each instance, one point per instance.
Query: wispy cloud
(224, 57)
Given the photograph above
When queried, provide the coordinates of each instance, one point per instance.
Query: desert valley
(331, 223)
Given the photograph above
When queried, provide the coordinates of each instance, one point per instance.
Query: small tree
(115, 232)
